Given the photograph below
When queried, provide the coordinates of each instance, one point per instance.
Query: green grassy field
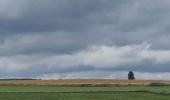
(156, 89)
(84, 93)
(84, 96)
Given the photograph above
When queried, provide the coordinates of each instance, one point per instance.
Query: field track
(81, 82)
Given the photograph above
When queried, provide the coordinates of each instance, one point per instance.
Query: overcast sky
(87, 39)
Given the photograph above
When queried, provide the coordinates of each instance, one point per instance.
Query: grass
(84, 93)
(158, 84)
(84, 96)
(159, 89)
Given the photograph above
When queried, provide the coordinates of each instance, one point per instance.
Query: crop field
(80, 82)
(87, 90)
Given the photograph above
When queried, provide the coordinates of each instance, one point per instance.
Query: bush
(158, 84)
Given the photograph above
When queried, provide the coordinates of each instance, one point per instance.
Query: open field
(77, 89)
(84, 93)
(83, 90)
(80, 82)
(84, 96)
(37, 92)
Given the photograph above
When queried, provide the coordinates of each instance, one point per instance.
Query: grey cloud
(38, 29)
(42, 15)
(105, 58)
(99, 20)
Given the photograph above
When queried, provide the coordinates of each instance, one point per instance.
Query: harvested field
(82, 82)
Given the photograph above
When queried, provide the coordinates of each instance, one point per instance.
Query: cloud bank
(92, 60)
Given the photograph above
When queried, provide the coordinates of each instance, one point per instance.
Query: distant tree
(131, 76)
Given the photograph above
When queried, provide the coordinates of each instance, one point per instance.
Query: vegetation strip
(56, 89)
(152, 92)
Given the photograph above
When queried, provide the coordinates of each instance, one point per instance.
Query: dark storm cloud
(74, 21)
(95, 22)
(44, 16)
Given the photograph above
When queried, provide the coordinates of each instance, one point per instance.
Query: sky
(85, 39)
